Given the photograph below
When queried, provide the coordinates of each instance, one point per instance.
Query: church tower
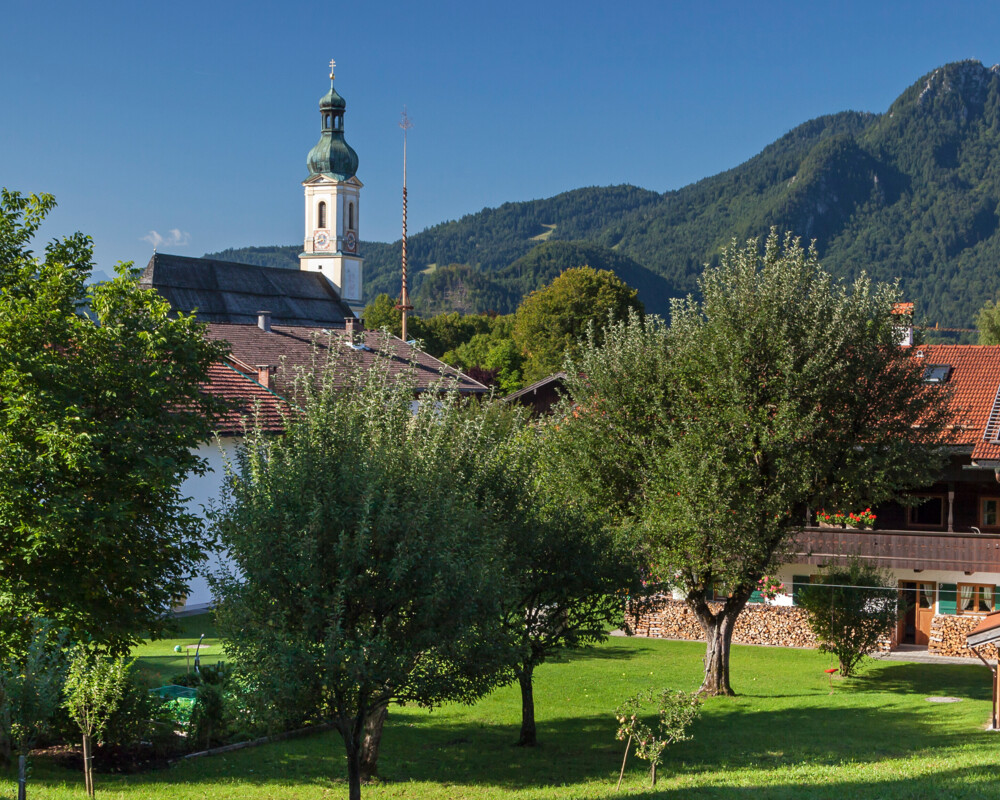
(331, 191)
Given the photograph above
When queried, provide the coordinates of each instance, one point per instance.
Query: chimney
(353, 325)
(264, 320)
(264, 375)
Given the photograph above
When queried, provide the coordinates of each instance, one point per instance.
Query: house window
(322, 215)
(929, 514)
(975, 598)
(989, 512)
(350, 216)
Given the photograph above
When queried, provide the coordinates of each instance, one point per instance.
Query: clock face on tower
(350, 242)
(322, 240)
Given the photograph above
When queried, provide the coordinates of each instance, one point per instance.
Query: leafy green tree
(30, 689)
(988, 323)
(493, 353)
(381, 313)
(780, 390)
(551, 321)
(852, 608)
(95, 687)
(787, 390)
(364, 571)
(99, 415)
(566, 572)
(445, 332)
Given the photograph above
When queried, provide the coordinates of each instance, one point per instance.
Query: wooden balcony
(910, 549)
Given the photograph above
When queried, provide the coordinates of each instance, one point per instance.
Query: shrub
(852, 608)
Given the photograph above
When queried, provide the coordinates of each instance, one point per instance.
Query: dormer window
(937, 373)
(321, 215)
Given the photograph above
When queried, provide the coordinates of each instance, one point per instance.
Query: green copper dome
(332, 100)
(332, 156)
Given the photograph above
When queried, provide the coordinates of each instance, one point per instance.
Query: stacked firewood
(783, 626)
(948, 632)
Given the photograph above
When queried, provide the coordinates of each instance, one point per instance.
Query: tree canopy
(551, 321)
(363, 565)
(101, 411)
(780, 390)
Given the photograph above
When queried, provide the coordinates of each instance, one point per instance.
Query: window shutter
(947, 598)
(756, 597)
(798, 582)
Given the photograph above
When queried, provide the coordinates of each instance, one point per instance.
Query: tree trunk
(5, 744)
(88, 765)
(353, 765)
(371, 740)
(22, 778)
(719, 636)
(529, 737)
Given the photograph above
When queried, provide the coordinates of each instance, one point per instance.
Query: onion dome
(332, 156)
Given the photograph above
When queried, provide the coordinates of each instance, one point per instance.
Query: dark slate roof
(290, 349)
(223, 291)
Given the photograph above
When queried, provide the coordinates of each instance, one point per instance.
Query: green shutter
(756, 597)
(947, 598)
(798, 582)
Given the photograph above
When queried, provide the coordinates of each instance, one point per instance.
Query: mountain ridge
(911, 193)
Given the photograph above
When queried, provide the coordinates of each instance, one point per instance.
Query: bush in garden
(676, 710)
(852, 608)
(208, 716)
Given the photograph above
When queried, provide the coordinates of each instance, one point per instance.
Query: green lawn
(158, 661)
(785, 736)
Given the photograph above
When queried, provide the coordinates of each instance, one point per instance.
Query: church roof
(224, 291)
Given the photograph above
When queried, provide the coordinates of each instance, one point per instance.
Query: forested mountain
(912, 193)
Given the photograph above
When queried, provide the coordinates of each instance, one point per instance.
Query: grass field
(784, 736)
(159, 662)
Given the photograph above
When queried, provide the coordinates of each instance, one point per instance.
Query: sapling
(30, 683)
(94, 689)
(676, 711)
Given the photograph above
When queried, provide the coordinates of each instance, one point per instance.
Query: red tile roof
(229, 382)
(288, 350)
(974, 381)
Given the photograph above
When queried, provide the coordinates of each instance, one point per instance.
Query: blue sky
(193, 120)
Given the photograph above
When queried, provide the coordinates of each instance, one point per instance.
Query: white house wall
(203, 491)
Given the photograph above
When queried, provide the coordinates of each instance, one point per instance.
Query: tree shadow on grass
(584, 748)
(970, 681)
(602, 652)
(964, 783)
(443, 749)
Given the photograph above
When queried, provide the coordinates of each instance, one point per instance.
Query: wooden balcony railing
(969, 552)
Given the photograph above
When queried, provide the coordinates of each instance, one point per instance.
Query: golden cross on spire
(332, 65)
